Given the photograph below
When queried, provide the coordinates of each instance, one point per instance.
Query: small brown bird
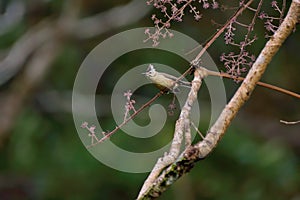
(165, 81)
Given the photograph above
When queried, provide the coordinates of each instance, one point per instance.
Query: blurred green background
(41, 155)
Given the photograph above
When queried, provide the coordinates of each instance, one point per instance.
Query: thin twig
(219, 32)
(170, 18)
(201, 135)
(213, 39)
(128, 119)
(266, 85)
(289, 123)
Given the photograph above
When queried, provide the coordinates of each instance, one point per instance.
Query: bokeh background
(43, 43)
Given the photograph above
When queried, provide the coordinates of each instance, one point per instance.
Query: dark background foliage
(42, 156)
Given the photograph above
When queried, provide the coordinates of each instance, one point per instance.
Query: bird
(164, 81)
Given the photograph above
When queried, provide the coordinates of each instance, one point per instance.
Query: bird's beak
(144, 73)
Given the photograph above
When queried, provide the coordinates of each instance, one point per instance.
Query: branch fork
(182, 129)
(171, 167)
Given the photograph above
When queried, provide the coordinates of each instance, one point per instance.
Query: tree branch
(194, 153)
(266, 85)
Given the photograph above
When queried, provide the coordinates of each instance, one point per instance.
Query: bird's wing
(168, 76)
(182, 83)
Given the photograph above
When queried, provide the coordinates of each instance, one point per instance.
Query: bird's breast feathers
(163, 81)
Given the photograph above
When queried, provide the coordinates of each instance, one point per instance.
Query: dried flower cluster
(235, 62)
(272, 23)
(238, 62)
(105, 135)
(92, 134)
(129, 104)
(173, 11)
(172, 107)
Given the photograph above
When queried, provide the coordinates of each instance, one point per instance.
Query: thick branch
(199, 151)
(252, 78)
(181, 129)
